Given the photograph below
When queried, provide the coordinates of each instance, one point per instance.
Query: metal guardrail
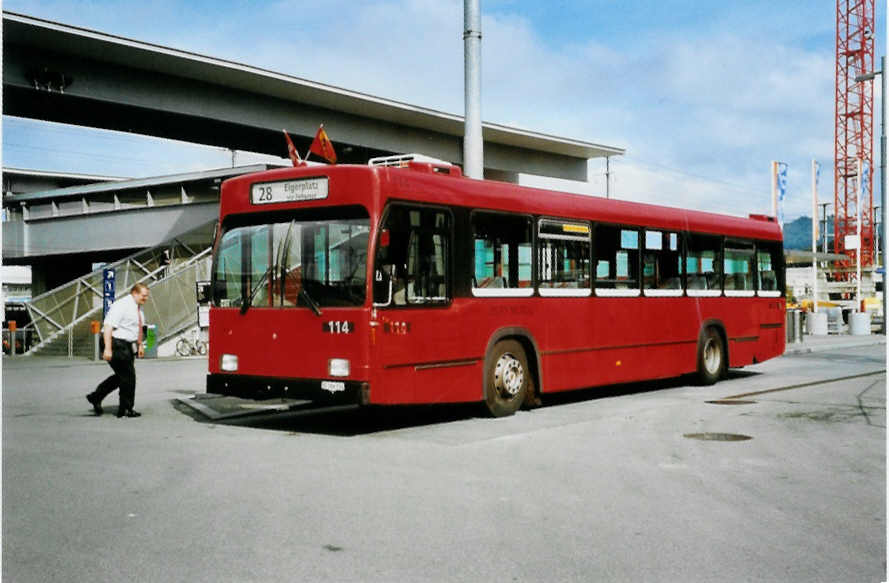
(169, 270)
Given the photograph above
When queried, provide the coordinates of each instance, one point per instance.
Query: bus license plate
(289, 190)
(333, 386)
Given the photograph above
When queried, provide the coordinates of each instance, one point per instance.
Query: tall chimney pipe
(473, 154)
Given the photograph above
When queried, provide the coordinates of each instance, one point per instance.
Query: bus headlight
(338, 367)
(229, 362)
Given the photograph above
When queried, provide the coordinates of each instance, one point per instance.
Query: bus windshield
(305, 263)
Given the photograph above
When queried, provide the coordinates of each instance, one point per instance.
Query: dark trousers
(124, 376)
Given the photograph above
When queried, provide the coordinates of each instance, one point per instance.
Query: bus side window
(563, 257)
(768, 266)
(739, 266)
(415, 260)
(502, 253)
(704, 265)
(662, 263)
(617, 258)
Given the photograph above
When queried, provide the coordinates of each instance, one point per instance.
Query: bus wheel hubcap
(508, 376)
(712, 356)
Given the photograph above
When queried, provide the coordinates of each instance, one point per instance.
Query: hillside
(798, 234)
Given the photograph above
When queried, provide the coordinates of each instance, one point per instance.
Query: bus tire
(507, 378)
(711, 357)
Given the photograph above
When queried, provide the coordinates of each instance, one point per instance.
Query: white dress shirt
(123, 316)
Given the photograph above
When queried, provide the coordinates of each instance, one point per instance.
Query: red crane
(854, 132)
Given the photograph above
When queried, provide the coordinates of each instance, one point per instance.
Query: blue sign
(107, 290)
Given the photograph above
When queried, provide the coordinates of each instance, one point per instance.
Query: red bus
(381, 285)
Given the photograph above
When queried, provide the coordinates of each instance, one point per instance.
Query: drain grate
(731, 402)
(718, 436)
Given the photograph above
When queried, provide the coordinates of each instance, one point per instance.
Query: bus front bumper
(323, 392)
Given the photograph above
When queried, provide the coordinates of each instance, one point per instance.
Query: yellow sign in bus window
(582, 229)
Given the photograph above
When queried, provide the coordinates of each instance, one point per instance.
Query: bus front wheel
(711, 357)
(507, 378)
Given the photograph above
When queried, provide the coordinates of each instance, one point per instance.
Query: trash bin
(151, 341)
(794, 326)
(816, 323)
(859, 323)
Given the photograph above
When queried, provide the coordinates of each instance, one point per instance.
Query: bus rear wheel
(507, 379)
(711, 357)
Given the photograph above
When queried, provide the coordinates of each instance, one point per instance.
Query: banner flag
(321, 146)
(865, 180)
(781, 182)
(291, 151)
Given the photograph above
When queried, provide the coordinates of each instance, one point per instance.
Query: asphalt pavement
(777, 473)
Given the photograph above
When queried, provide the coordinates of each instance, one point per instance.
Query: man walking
(122, 333)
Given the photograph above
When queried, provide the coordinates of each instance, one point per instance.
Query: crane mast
(854, 134)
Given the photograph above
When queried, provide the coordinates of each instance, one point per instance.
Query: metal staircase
(60, 318)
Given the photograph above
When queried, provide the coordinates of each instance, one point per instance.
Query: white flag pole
(814, 235)
(861, 179)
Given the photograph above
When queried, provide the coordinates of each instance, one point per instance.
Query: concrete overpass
(61, 232)
(56, 72)
(66, 74)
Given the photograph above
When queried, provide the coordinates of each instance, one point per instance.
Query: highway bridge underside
(241, 113)
(69, 109)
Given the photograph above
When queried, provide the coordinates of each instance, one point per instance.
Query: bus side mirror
(202, 292)
(383, 285)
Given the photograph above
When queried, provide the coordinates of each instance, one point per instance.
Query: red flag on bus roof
(321, 146)
(291, 151)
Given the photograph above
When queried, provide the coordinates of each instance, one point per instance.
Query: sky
(702, 94)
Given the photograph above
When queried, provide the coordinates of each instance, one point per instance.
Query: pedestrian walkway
(832, 342)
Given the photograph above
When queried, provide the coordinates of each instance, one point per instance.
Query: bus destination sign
(289, 191)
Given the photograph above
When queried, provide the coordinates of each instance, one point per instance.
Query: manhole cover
(731, 402)
(718, 436)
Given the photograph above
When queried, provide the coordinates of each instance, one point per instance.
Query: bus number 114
(338, 327)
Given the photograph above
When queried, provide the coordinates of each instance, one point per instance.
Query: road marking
(808, 384)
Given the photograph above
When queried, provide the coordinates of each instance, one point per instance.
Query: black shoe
(129, 413)
(96, 403)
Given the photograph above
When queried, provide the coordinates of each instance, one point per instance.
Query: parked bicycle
(191, 345)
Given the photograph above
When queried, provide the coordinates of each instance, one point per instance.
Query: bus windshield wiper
(309, 301)
(247, 301)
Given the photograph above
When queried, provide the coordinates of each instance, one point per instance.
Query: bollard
(859, 323)
(13, 326)
(95, 329)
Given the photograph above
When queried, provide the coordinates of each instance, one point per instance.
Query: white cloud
(702, 109)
